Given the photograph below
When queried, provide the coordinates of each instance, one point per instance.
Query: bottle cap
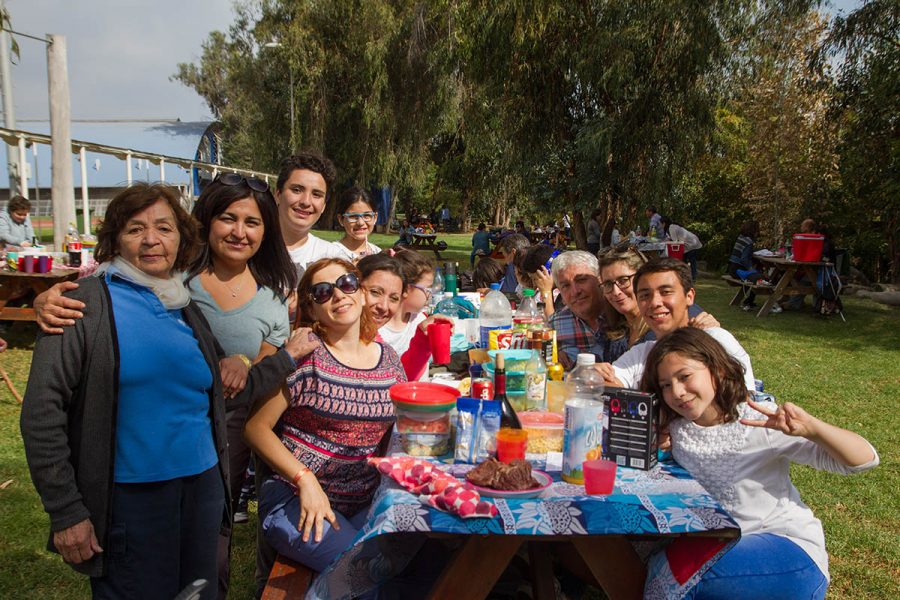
(495, 286)
(528, 292)
(585, 359)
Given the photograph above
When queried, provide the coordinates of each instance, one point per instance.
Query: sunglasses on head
(321, 293)
(257, 185)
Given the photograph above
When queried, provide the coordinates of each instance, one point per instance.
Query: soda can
(582, 436)
(482, 388)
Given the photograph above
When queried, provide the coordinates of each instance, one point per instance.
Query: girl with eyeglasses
(357, 215)
(335, 410)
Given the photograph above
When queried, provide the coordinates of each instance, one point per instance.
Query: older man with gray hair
(580, 326)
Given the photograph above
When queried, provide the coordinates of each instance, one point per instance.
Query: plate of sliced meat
(494, 479)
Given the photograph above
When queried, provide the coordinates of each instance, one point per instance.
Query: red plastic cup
(439, 339)
(511, 444)
(599, 476)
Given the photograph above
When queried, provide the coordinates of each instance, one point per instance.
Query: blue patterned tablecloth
(665, 501)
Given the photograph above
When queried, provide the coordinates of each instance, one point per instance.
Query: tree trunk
(578, 229)
(464, 215)
(392, 211)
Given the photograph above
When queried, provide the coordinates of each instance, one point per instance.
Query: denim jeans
(762, 565)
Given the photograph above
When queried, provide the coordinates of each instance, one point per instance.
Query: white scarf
(170, 291)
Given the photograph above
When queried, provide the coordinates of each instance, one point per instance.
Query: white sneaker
(776, 309)
(241, 516)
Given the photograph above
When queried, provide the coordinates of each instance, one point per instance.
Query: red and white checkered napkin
(434, 487)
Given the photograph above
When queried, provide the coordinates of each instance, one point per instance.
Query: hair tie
(391, 252)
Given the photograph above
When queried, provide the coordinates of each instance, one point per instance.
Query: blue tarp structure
(382, 199)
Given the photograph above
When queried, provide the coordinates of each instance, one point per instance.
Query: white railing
(25, 139)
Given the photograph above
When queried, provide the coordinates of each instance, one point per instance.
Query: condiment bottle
(508, 417)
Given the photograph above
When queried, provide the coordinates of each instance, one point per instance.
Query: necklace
(234, 290)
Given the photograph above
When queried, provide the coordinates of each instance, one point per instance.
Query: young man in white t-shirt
(304, 181)
(664, 291)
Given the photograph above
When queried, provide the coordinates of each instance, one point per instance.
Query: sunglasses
(321, 293)
(257, 185)
(368, 217)
(621, 282)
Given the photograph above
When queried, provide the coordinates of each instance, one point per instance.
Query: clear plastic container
(424, 433)
(545, 431)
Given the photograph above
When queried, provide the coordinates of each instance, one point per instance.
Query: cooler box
(675, 250)
(808, 247)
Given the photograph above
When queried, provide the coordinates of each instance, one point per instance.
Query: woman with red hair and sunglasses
(335, 410)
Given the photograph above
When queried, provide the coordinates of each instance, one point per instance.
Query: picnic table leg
(541, 562)
(738, 296)
(614, 564)
(475, 569)
(778, 292)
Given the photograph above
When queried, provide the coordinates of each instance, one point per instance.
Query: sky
(122, 53)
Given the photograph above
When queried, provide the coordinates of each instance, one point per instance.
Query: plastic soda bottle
(528, 315)
(437, 288)
(495, 313)
(586, 419)
(536, 379)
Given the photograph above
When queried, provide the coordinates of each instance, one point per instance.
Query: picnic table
(662, 503)
(426, 241)
(783, 271)
(14, 284)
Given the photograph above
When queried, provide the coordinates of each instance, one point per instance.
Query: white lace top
(747, 469)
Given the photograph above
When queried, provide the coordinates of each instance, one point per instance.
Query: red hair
(367, 327)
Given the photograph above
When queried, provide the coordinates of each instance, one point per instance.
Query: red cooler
(675, 250)
(808, 247)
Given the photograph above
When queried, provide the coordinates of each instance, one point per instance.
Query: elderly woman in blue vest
(124, 414)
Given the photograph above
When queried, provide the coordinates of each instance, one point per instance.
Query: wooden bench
(745, 287)
(287, 580)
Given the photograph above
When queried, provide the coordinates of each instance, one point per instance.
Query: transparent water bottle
(586, 432)
(495, 313)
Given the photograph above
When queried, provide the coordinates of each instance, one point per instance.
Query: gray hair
(574, 258)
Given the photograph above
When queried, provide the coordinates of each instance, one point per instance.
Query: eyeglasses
(621, 282)
(368, 217)
(257, 185)
(425, 290)
(321, 293)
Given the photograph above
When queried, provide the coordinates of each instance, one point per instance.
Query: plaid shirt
(574, 335)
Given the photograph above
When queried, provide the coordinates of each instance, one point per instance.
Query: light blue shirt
(15, 233)
(242, 330)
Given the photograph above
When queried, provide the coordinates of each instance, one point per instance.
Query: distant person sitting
(654, 228)
(15, 223)
(740, 264)
(522, 229)
(665, 291)
(481, 243)
(506, 251)
(487, 271)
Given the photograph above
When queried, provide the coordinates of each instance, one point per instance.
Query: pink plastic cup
(45, 264)
(599, 476)
(439, 339)
(28, 263)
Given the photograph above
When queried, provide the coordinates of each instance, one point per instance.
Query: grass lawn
(845, 373)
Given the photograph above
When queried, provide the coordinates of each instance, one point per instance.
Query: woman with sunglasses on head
(357, 215)
(625, 324)
(335, 410)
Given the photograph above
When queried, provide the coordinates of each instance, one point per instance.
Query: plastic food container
(545, 431)
(515, 379)
(423, 416)
(515, 359)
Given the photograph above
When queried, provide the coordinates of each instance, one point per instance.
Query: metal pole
(128, 174)
(9, 113)
(37, 182)
(23, 172)
(162, 170)
(85, 202)
(291, 71)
